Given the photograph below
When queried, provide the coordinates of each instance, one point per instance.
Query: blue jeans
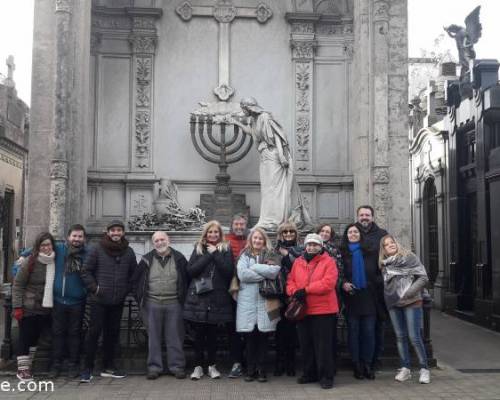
(407, 322)
(361, 332)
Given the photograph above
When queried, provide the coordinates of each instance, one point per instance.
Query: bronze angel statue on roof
(466, 38)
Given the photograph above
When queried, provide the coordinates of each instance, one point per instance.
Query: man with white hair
(160, 285)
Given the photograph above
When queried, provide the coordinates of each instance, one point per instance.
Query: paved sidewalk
(457, 345)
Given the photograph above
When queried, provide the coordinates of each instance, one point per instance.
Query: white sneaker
(212, 372)
(197, 373)
(425, 376)
(403, 374)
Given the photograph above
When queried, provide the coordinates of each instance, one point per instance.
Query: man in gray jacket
(160, 284)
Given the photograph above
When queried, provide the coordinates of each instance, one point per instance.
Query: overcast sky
(426, 21)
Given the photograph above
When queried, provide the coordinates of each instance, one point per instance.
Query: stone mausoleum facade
(115, 82)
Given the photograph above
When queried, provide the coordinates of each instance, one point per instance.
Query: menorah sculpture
(220, 142)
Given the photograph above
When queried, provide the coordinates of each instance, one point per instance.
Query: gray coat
(251, 306)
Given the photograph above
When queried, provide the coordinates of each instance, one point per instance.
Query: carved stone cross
(224, 12)
(10, 71)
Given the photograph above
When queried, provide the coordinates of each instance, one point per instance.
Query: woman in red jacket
(312, 279)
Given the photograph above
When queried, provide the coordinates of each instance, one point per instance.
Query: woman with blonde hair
(208, 302)
(404, 280)
(256, 316)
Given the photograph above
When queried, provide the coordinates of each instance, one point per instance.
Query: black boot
(368, 372)
(358, 371)
(290, 363)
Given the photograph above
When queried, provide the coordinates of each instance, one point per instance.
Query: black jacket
(215, 306)
(372, 239)
(373, 236)
(363, 302)
(140, 279)
(112, 275)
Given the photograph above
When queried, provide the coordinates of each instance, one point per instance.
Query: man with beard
(160, 284)
(372, 236)
(107, 274)
(237, 238)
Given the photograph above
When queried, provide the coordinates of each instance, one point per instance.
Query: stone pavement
(457, 345)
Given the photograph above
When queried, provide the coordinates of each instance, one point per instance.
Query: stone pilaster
(41, 121)
(379, 121)
(303, 46)
(143, 40)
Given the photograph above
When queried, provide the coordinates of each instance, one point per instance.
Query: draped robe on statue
(281, 200)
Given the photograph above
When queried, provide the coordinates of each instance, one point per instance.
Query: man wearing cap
(107, 274)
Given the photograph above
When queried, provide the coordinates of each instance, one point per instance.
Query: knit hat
(115, 222)
(313, 238)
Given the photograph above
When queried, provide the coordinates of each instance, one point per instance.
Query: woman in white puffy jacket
(254, 316)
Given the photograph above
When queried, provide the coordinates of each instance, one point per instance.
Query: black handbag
(204, 284)
(272, 288)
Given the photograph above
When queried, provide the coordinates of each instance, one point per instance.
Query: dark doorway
(431, 239)
(6, 216)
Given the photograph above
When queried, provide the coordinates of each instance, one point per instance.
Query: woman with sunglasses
(286, 336)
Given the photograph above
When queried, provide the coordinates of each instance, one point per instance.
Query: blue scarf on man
(358, 266)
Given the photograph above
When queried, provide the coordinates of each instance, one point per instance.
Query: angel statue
(281, 200)
(466, 38)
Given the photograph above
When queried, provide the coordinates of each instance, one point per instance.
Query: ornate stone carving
(302, 27)
(185, 11)
(224, 11)
(302, 83)
(59, 169)
(144, 23)
(380, 175)
(143, 43)
(111, 23)
(348, 49)
(302, 129)
(63, 6)
(142, 138)
(303, 49)
(224, 92)
(143, 68)
(143, 95)
(263, 13)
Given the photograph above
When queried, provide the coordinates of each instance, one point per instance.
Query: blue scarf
(358, 266)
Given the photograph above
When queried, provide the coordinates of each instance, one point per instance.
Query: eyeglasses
(287, 232)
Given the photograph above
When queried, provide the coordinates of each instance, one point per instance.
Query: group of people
(365, 274)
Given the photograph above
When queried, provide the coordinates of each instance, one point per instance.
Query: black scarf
(114, 249)
(74, 259)
(309, 256)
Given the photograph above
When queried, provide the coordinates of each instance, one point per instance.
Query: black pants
(66, 331)
(256, 347)
(315, 337)
(205, 338)
(104, 319)
(30, 329)
(236, 343)
(286, 342)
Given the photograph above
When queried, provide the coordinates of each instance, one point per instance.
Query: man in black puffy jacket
(107, 274)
